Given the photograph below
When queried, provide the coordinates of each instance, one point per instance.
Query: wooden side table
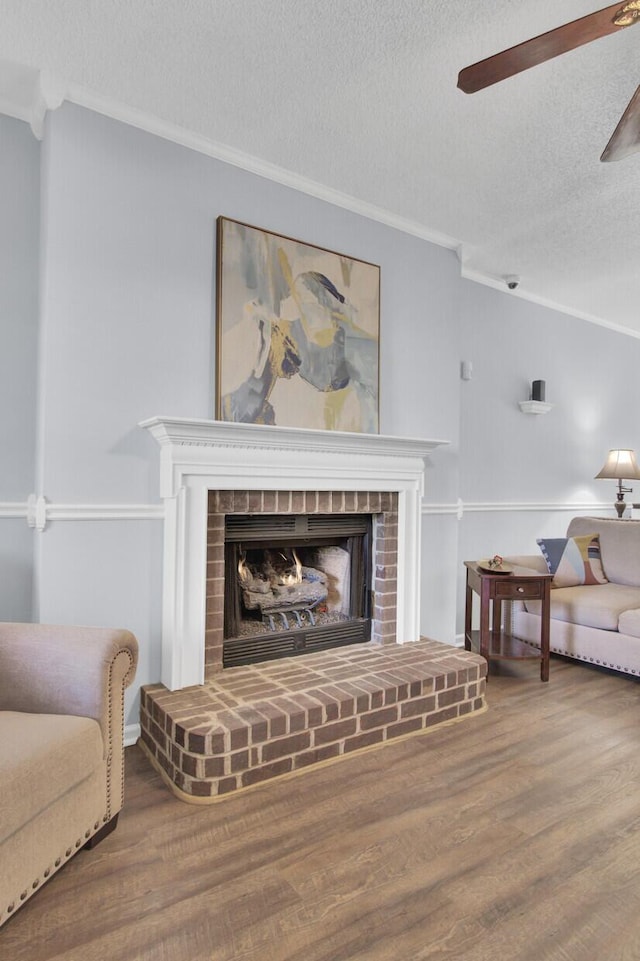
(491, 640)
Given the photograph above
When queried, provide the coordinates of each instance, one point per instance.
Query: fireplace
(346, 546)
(295, 583)
(277, 503)
(210, 471)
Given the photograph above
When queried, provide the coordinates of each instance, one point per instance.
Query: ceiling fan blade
(545, 47)
(626, 137)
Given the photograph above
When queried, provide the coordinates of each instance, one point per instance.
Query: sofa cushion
(573, 560)
(42, 756)
(629, 623)
(619, 544)
(600, 606)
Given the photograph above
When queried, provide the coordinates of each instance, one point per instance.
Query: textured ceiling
(360, 96)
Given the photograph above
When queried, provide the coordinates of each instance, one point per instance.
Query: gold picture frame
(298, 333)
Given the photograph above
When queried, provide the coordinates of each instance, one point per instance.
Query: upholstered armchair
(61, 747)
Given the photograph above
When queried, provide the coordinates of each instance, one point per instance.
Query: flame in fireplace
(293, 578)
(293, 575)
(243, 571)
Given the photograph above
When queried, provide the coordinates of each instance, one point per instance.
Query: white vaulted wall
(124, 247)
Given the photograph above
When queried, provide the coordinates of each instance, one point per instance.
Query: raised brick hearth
(259, 721)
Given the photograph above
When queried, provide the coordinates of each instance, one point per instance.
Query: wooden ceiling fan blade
(625, 139)
(541, 48)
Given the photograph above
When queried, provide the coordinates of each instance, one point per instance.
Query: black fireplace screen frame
(353, 532)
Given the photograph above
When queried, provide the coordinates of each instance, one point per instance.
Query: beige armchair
(61, 747)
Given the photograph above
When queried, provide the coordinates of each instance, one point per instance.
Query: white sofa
(600, 623)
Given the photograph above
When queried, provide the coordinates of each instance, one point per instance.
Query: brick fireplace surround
(212, 731)
(382, 505)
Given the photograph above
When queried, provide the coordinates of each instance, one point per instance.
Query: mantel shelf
(184, 432)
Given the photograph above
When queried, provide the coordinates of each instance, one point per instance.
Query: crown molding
(27, 94)
(108, 107)
(35, 92)
(498, 283)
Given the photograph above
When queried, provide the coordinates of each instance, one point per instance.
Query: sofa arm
(83, 671)
(47, 669)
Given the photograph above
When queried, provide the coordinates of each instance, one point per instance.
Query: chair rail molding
(539, 506)
(38, 511)
(9, 509)
(460, 508)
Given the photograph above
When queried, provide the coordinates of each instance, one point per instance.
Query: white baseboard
(131, 734)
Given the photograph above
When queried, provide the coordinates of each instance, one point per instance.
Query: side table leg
(468, 608)
(496, 619)
(485, 604)
(545, 620)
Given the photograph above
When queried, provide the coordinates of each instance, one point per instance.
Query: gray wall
(127, 332)
(19, 246)
(128, 329)
(509, 458)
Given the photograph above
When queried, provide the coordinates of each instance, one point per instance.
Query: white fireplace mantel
(197, 456)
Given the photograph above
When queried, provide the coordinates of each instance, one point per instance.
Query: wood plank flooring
(510, 835)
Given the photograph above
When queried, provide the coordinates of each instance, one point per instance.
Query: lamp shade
(620, 465)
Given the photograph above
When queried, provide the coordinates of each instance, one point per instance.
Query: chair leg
(104, 832)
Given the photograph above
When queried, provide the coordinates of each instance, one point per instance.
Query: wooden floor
(510, 836)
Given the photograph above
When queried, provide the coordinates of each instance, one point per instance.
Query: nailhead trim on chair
(110, 746)
(48, 872)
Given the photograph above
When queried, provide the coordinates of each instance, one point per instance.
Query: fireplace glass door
(295, 584)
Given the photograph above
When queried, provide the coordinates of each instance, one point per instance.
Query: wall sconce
(620, 465)
(536, 403)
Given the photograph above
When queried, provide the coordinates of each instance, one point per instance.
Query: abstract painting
(297, 333)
